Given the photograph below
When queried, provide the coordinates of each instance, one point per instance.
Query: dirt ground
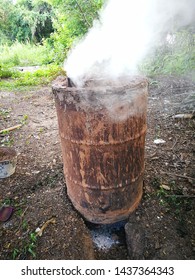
(163, 226)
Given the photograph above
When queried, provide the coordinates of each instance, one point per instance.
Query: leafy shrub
(71, 22)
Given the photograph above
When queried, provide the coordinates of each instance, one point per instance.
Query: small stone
(35, 172)
(165, 187)
(183, 116)
(159, 141)
(38, 231)
(157, 245)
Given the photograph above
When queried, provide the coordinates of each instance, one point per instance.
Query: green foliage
(60, 41)
(20, 54)
(42, 76)
(15, 253)
(29, 247)
(6, 9)
(32, 21)
(39, 77)
(79, 14)
(72, 20)
(53, 23)
(6, 72)
(27, 20)
(174, 56)
(35, 20)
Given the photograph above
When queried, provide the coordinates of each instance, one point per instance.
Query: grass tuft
(20, 54)
(42, 76)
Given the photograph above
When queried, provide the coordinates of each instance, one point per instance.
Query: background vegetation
(41, 32)
(174, 55)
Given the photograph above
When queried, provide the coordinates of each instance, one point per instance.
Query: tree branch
(83, 14)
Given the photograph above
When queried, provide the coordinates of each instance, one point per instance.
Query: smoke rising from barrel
(126, 32)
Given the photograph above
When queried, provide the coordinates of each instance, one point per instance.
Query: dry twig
(10, 128)
(40, 231)
(178, 175)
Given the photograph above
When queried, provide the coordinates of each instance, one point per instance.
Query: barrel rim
(130, 82)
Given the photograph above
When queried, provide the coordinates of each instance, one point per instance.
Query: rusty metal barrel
(102, 127)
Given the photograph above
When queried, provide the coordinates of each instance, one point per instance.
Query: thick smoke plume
(127, 30)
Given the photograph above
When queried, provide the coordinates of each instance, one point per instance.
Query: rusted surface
(102, 131)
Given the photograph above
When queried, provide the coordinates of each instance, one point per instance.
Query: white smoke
(127, 30)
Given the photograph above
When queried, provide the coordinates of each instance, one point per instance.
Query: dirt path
(164, 221)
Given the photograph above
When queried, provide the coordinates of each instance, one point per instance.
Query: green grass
(20, 54)
(42, 76)
(7, 72)
(172, 63)
(29, 247)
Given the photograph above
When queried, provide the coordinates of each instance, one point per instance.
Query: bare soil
(163, 226)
